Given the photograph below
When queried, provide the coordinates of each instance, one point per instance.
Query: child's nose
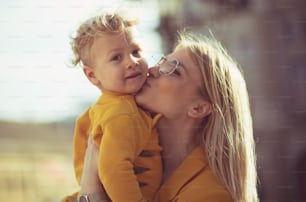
(132, 62)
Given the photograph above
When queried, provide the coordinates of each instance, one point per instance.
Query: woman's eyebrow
(169, 58)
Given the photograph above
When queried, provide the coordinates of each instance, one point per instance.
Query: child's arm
(123, 138)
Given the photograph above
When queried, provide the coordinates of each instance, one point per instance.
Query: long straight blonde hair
(227, 135)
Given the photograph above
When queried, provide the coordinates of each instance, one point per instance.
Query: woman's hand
(90, 183)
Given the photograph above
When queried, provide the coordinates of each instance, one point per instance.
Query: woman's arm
(90, 183)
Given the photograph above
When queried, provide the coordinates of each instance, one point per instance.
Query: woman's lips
(147, 83)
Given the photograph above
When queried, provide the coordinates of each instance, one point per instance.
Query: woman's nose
(154, 71)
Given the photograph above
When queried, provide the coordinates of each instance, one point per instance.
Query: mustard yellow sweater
(129, 164)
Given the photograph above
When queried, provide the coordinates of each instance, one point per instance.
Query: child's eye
(136, 52)
(116, 58)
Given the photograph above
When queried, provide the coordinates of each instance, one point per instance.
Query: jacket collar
(190, 168)
(156, 118)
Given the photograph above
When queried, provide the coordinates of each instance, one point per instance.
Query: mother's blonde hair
(227, 136)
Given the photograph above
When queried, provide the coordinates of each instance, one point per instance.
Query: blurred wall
(268, 39)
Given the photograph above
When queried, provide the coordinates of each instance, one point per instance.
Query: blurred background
(41, 94)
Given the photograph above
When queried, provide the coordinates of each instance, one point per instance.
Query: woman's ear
(90, 74)
(200, 109)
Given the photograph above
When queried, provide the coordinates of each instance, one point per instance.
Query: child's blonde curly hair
(106, 23)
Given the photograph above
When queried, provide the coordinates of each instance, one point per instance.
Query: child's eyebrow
(135, 44)
(114, 50)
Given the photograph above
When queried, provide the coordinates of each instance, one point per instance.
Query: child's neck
(107, 92)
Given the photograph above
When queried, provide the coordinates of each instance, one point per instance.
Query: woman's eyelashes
(175, 73)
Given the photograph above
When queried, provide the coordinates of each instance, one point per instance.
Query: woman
(206, 128)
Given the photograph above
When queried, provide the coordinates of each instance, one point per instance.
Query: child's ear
(90, 74)
(200, 109)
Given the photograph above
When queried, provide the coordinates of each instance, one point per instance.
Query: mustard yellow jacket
(129, 156)
(193, 181)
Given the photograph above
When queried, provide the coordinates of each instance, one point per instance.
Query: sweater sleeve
(80, 139)
(123, 138)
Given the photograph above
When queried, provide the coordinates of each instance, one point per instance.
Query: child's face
(117, 63)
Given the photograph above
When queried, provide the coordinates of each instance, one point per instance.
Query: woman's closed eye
(176, 72)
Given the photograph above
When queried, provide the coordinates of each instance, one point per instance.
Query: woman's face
(171, 94)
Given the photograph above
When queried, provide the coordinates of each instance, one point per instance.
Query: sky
(37, 81)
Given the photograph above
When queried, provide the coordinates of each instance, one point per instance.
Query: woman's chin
(139, 97)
